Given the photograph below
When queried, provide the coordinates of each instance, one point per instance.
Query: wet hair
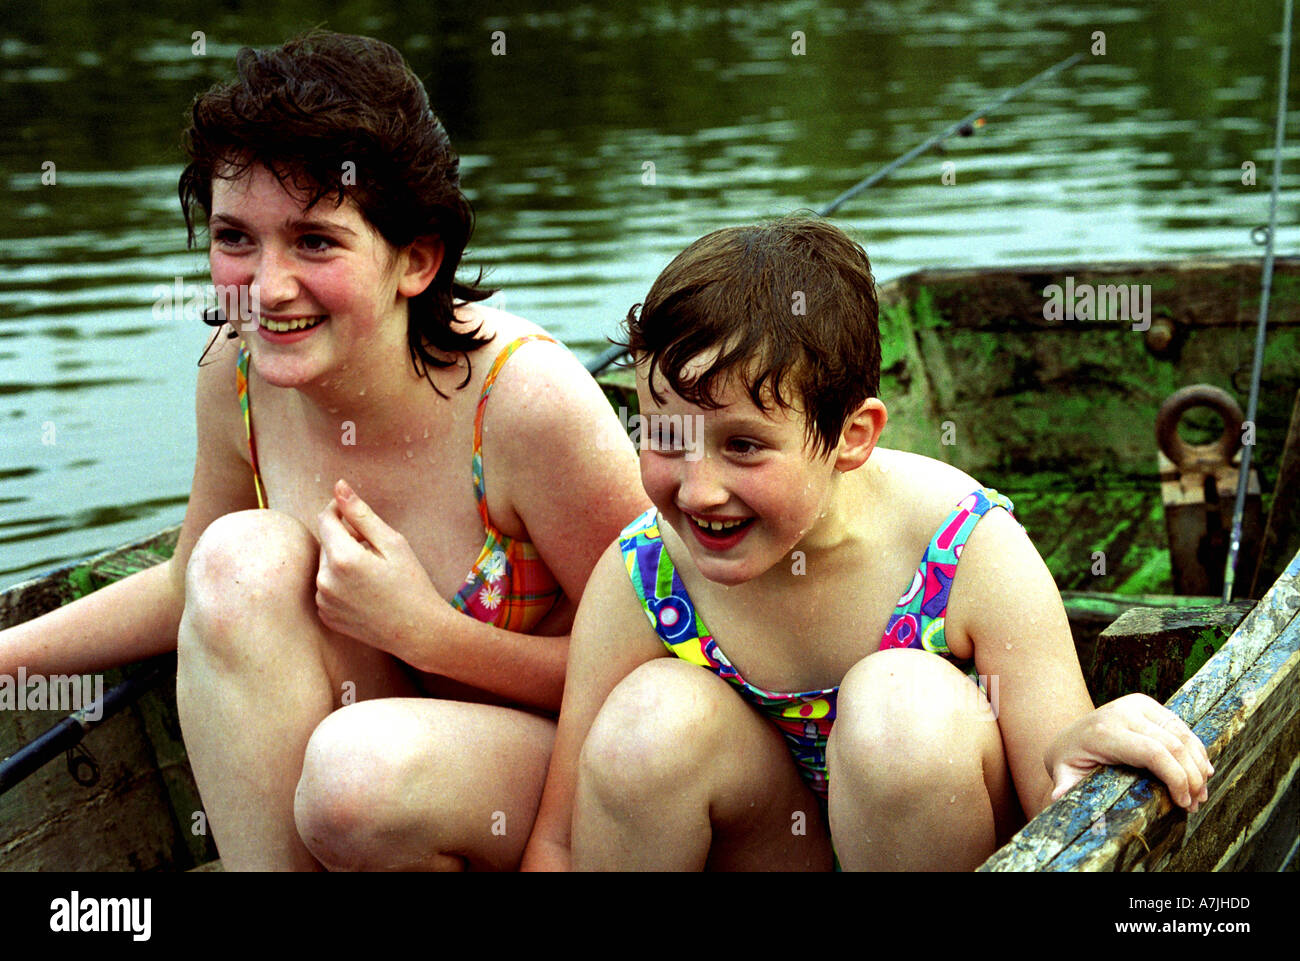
(789, 305)
(321, 107)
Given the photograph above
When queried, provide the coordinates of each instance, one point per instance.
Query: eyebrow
(745, 422)
(323, 226)
(730, 420)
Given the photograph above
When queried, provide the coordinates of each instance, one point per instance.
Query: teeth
(718, 525)
(285, 326)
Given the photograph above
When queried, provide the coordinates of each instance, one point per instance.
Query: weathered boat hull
(1059, 415)
(1245, 705)
(137, 815)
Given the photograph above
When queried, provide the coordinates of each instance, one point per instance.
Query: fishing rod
(69, 732)
(1239, 506)
(964, 127)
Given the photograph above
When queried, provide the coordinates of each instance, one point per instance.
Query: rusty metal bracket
(1197, 486)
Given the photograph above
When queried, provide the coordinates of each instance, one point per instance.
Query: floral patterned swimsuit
(804, 718)
(509, 586)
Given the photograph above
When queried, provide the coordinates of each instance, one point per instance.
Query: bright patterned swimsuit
(509, 586)
(804, 718)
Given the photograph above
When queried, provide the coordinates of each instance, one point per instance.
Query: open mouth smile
(290, 325)
(720, 534)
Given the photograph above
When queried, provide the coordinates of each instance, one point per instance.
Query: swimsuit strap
(804, 718)
(241, 386)
(480, 492)
(918, 618)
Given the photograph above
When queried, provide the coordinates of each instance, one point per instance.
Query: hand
(1132, 730)
(370, 585)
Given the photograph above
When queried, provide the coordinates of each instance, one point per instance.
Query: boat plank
(1243, 704)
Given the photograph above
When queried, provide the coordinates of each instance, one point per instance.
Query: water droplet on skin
(953, 799)
(318, 478)
(407, 438)
(426, 433)
(410, 453)
(1008, 647)
(363, 392)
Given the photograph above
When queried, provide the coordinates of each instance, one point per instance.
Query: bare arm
(138, 616)
(611, 638)
(1050, 730)
(1021, 636)
(559, 469)
(570, 477)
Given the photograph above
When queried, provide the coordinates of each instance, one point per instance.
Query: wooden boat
(1057, 413)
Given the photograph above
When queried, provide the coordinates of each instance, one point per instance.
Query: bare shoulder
(538, 376)
(559, 467)
(611, 618)
(223, 479)
(217, 409)
(998, 562)
(500, 325)
(929, 488)
(545, 405)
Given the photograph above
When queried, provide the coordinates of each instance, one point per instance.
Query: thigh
(672, 733)
(250, 612)
(447, 778)
(916, 758)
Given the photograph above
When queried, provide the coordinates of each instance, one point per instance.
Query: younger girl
(761, 674)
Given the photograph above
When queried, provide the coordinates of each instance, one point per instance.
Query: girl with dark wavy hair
(439, 436)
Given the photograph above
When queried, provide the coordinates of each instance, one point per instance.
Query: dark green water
(1133, 155)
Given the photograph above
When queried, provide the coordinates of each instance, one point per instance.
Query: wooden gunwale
(1245, 705)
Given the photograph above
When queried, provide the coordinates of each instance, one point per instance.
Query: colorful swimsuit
(805, 718)
(509, 586)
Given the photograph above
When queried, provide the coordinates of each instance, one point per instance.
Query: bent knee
(355, 773)
(243, 560)
(907, 716)
(655, 729)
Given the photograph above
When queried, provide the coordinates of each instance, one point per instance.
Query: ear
(861, 433)
(419, 265)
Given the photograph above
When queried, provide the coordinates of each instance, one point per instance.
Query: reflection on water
(1136, 154)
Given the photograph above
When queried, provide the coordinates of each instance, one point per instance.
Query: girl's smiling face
(326, 286)
(742, 488)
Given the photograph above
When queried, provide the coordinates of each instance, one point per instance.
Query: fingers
(1164, 744)
(358, 513)
(338, 538)
(1169, 721)
(1183, 744)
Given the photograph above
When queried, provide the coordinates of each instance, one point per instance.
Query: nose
(701, 488)
(275, 282)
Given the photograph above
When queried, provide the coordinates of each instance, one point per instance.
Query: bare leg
(918, 778)
(419, 784)
(678, 773)
(257, 672)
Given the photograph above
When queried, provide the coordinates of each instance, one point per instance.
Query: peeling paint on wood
(1245, 705)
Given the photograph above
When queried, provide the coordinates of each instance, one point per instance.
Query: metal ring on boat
(1189, 456)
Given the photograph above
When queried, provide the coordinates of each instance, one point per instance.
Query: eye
(663, 434)
(664, 438)
(743, 446)
(228, 237)
(317, 243)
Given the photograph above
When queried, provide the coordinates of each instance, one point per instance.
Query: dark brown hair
(790, 305)
(324, 100)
